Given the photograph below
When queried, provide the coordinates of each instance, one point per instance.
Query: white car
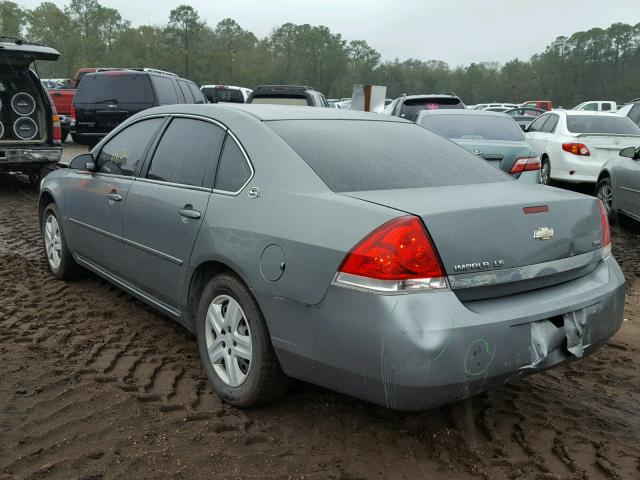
(597, 106)
(225, 93)
(574, 145)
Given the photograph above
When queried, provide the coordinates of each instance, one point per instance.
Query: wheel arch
(46, 198)
(602, 175)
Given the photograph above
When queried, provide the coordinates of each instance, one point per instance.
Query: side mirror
(630, 152)
(83, 161)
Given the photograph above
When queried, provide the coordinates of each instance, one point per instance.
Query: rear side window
(165, 91)
(186, 152)
(350, 155)
(550, 125)
(480, 127)
(114, 88)
(233, 171)
(608, 123)
(188, 96)
(537, 125)
(125, 151)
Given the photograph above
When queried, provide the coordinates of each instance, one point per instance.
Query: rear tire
(604, 191)
(545, 172)
(261, 380)
(59, 259)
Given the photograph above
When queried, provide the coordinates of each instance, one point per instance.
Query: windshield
(603, 123)
(480, 127)
(350, 155)
(114, 88)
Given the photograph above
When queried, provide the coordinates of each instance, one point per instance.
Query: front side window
(186, 151)
(590, 107)
(126, 150)
(634, 114)
(606, 107)
(233, 171)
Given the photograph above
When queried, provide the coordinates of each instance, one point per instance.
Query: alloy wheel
(228, 338)
(53, 242)
(606, 195)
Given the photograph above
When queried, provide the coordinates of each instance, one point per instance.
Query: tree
(12, 19)
(186, 25)
(232, 40)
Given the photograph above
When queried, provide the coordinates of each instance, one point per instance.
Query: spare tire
(23, 104)
(25, 128)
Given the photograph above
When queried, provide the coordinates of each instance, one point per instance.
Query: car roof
(430, 95)
(265, 113)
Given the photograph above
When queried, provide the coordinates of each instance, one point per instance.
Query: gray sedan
(355, 251)
(619, 184)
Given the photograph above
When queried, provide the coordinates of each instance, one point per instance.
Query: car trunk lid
(494, 239)
(24, 54)
(604, 146)
(499, 153)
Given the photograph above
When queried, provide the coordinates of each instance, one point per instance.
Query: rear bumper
(418, 351)
(12, 157)
(576, 169)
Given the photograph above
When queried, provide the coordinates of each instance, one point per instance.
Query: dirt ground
(95, 385)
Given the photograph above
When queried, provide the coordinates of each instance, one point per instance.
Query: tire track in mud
(106, 387)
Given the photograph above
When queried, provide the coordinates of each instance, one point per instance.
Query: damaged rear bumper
(17, 157)
(413, 352)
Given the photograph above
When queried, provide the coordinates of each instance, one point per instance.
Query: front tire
(59, 259)
(604, 192)
(235, 345)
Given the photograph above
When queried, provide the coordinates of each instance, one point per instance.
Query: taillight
(606, 230)
(57, 131)
(396, 257)
(525, 164)
(576, 149)
(72, 113)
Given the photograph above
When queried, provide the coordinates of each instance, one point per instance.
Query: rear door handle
(114, 197)
(189, 213)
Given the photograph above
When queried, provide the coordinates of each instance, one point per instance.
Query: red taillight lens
(525, 164)
(606, 230)
(57, 131)
(398, 251)
(576, 149)
(72, 113)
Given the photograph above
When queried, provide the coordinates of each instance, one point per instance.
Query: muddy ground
(94, 384)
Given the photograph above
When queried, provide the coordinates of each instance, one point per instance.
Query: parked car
(597, 106)
(287, 95)
(30, 135)
(542, 104)
(105, 99)
(631, 110)
(496, 137)
(524, 115)
(619, 184)
(493, 106)
(573, 145)
(408, 106)
(351, 250)
(225, 93)
(497, 109)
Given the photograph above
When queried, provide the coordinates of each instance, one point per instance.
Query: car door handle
(189, 213)
(114, 197)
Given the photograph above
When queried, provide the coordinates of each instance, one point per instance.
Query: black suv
(408, 106)
(106, 99)
(29, 126)
(287, 95)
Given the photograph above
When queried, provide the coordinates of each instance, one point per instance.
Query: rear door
(536, 135)
(96, 211)
(165, 208)
(627, 174)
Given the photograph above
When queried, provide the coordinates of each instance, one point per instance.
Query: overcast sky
(456, 31)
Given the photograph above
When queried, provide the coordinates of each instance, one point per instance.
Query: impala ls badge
(543, 233)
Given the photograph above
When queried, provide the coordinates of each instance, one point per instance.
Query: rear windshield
(472, 127)
(351, 155)
(412, 106)
(223, 95)
(604, 123)
(114, 88)
(281, 100)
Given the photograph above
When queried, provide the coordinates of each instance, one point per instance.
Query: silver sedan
(619, 184)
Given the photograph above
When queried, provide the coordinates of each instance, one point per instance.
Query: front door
(165, 209)
(97, 202)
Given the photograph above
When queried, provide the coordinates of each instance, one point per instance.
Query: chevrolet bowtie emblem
(543, 233)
